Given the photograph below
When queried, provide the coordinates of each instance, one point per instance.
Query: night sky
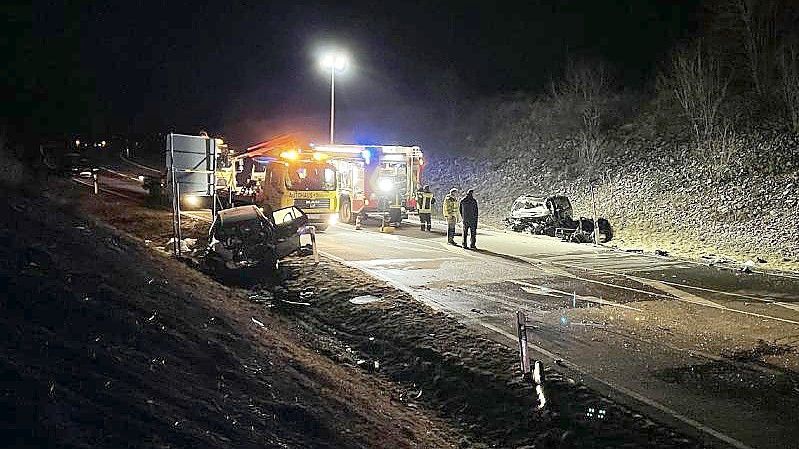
(123, 67)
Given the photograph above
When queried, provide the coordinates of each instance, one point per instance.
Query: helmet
(453, 191)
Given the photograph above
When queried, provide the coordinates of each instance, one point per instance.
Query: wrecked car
(244, 238)
(552, 216)
(540, 214)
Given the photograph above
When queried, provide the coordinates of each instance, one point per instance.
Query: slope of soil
(107, 344)
(443, 365)
(411, 358)
(654, 199)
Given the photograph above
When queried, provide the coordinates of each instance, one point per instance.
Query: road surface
(676, 339)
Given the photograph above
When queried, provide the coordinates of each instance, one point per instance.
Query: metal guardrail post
(313, 244)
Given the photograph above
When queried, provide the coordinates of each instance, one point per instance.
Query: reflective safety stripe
(426, 205)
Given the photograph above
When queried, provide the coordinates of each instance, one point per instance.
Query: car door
(288, 221)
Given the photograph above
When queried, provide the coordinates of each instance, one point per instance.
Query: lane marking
(568, 364)
(704, 303)
(581, 297)
(102, 189)
(399, 261)
(143, 167)
(121, 174)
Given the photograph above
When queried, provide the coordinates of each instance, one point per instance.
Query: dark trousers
(451, 230)
(470, 228)
(424, 218)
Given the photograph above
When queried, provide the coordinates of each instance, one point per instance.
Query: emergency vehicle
(374, 179)
(278, 173)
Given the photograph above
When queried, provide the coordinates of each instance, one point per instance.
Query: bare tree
(759, 35)
(789, 77)
(699, 85)
(585, 87)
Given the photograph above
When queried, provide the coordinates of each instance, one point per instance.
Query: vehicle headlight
(385, 184)
(333, 219)
(192, 200)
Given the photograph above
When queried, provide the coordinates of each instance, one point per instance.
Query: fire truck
(278, 173)
(374, 180)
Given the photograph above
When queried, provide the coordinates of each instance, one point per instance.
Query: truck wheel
(345, 212)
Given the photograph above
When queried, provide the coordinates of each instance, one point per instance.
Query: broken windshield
(528, 203)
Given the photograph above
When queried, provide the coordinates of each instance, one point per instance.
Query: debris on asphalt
(186, 245)
(295, 303)
(257, 322)
(365, 299)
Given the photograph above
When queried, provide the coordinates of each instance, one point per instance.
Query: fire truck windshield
(311, 177)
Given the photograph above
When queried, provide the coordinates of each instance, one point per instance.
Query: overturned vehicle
(552, 216)
(246, 241)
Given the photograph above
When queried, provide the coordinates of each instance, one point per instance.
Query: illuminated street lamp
(335, 62)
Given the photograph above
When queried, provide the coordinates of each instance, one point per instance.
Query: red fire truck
(375, 179)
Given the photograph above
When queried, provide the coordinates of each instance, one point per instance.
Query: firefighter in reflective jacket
(451, 214)
(425, 201)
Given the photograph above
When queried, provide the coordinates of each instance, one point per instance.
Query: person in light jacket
(450, 207)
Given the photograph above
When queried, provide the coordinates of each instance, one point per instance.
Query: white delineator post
(521, 328)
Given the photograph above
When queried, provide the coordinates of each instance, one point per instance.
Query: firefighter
(451, 214)
(425, 201)
(468, 210)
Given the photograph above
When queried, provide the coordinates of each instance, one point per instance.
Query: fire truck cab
(273, 177)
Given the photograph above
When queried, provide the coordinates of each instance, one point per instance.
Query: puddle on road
(760, 390)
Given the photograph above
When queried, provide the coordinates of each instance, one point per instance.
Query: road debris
(257, 322)
(365, 299)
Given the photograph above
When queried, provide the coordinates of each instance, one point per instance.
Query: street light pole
(335, 62)
(332, 100)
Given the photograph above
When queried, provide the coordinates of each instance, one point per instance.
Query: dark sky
(172, 65)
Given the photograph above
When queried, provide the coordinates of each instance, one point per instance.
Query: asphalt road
(663, 354)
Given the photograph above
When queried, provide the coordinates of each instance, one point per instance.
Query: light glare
(335, 61)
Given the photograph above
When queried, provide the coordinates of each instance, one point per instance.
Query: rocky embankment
(745, 207)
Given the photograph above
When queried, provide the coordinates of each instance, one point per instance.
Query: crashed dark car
(552, 216)
(540, 214)
(244, 239)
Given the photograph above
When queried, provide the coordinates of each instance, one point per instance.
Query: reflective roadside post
(95, 182)
(521, 329)
(593, 205)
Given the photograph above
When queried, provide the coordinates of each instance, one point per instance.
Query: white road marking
(580, 297)
(80, 181)
(143, 167)
(398, 261)
(552, 356)
(121, 174)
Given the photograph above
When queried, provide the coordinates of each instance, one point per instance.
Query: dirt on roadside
(333, 356)
(109, 344)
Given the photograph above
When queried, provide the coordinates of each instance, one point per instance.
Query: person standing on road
(425, 201)
(451, 214)
(468, 210)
